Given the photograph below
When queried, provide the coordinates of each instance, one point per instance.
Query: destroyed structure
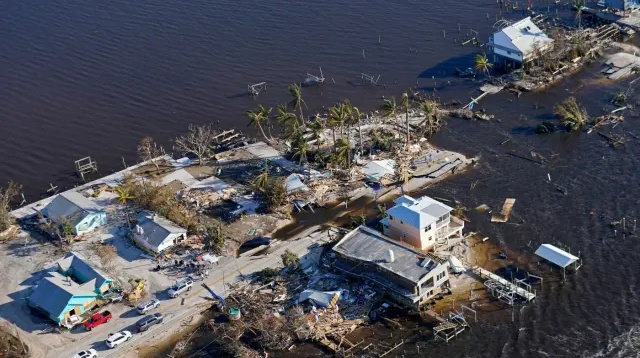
(518, 43)
(72, 207)
(409, 276)
(70, 289)
(422, 223)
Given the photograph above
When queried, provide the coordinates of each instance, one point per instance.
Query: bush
(290, 260)
(545, 127)
(267, 274)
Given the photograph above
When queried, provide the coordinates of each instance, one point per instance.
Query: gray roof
(70, 205)
(76, 265)
(211, 183)
(318, 298)
(156, 228)
(54, 292)
(418, 213)
(369, 245)
(293, 184)
(379, 168)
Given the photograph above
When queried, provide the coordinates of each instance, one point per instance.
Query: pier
(503, 289)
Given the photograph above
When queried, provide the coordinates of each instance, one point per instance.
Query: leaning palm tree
(261, 183)
(405, 107)
(390, 108)
(123, 195)
(296, 100)
(259, 116)
(482, 64)
(573, 115)
(317, 127)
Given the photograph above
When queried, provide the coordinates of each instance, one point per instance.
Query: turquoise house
(81, 212)
(69, 290)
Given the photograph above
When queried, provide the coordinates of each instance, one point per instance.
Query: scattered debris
(506, 212)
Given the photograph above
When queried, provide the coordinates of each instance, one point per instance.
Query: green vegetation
(6, 196)
(545, 127)
(290, 260)
(573, 115)
(481, 64)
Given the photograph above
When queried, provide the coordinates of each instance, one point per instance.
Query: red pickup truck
(97, 319)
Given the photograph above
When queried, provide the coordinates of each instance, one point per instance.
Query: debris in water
(506, 212)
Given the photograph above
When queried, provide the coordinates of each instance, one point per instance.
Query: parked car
(181, 287)
(114, 297)
(91, 353)
(147, 306)
(115, 339)
(150, 320)
(257, 241)
(97, 319)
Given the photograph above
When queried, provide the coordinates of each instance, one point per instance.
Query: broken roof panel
(317, 298)
(556, 255)
(72, 206)
(180, 175)
(293, 184)
(211, 183)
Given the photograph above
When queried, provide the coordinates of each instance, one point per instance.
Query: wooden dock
(488, 275)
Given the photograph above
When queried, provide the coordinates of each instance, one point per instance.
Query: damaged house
(69, 290)
(518, 43)
(156, 234)
(82, 213)
(421, 223)
(407, 275)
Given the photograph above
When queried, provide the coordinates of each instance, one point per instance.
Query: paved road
(175, 311)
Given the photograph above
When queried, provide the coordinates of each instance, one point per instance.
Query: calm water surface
(92, 78)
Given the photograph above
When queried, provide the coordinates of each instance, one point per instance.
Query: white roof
(378, 168)
(524, 35)
(180, 175)
(418, 213)
(555, 255)
(211, 183)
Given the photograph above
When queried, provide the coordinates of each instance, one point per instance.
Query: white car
(91, 353)
(115, 339)
(180, 287)
(147, 306)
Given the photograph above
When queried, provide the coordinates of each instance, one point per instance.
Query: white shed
(558, 256)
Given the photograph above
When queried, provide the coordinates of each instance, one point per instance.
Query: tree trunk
(156, 165)
(408, 129)
(361, 140)
(301, 117)
(262, 130)
(333, 129)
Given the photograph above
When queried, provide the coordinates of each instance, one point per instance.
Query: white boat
(456, 265)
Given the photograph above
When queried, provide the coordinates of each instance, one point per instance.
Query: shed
(83, 214)
(156, 233)
(558, 256)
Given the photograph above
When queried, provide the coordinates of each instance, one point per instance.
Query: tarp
(555, 255)
(317, 298)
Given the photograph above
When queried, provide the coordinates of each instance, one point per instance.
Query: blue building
(69, 290)
(81, 212)
(621, 5)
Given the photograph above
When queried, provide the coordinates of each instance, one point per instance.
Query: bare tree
(6, 195)
(197, 141)
(107, 254)
(148, 150)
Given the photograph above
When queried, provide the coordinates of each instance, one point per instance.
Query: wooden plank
(506, 211)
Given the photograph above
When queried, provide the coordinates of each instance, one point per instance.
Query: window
(440, 276)
(390, 217)
(401, 222)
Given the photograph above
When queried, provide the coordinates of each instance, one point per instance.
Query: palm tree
(317, 127)
(343, 153)
(301, 150)
(338, 116)
(123, 195)
(288, 120)
(579, 5)
(260, 115)
(482, 64)
(390, 108)
(431, 123)
(261, 183)
(405, 106)
(296, 100)
(573, 115)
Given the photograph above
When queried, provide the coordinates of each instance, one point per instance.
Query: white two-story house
(421, 223)
(518, 43)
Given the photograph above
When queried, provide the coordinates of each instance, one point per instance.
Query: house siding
(80, 303)
(169, 242)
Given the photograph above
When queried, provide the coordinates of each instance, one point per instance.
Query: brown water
(92, 78)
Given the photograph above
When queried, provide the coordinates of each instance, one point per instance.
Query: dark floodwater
(92, 78)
